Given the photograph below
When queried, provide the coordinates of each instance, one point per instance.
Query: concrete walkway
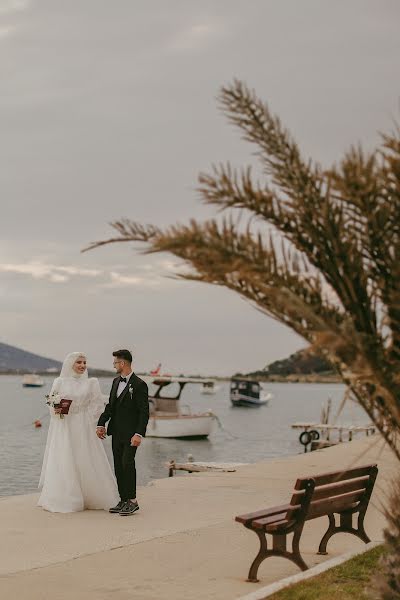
(183, 543)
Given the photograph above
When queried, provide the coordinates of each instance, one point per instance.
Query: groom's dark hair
(123, 355)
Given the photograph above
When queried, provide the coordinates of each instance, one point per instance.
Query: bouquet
(55, 401)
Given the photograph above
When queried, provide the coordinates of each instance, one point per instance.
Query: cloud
(54, 273)
(196, 36)
(81, 272)
(9, 7)
(163, 267)
(152, 275)
(118, 280)
(8, 12)
(7, 30)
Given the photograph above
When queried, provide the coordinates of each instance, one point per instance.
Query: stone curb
(272, 588)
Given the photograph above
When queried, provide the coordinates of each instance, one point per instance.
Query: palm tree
(319, 251)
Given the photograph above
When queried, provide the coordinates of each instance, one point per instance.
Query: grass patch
(344, 582)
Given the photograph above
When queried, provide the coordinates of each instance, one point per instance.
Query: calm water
(248, 434)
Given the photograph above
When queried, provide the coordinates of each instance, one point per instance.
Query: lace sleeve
(96, 406)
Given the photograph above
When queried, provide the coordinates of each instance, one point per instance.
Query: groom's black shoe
(129, 508)
(116, 509)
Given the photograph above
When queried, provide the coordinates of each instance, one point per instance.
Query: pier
(310, 438)
(183, 543)
(341, 429)
(202, 467)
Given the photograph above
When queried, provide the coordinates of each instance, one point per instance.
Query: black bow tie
(123, 379)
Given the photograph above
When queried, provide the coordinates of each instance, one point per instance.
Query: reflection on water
(248, 434)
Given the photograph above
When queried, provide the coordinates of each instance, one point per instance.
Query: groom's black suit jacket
(129, 413)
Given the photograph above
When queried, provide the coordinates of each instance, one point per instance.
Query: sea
(240, 434)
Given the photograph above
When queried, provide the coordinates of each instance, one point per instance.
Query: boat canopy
(162, 382)
(170, 404)
(246, 387)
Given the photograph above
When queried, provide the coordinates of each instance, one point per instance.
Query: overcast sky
(107, 110)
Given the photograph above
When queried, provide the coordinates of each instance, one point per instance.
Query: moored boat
(209, 388)
(248, 392)
(32, 380)
(168, 419)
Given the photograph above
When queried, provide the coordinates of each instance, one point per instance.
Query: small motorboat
(248, 392)
(169, 419)
(209, 388)
(32, 380)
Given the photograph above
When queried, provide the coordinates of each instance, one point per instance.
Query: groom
(128, 413)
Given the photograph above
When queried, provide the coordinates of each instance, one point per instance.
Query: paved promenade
(183, 543)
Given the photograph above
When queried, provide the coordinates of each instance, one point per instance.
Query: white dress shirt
(121, 386)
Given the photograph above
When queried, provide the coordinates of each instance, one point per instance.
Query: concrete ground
(183, 543)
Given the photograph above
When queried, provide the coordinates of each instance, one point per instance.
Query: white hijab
(68, 371)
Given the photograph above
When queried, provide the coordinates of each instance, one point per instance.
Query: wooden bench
(346, 493)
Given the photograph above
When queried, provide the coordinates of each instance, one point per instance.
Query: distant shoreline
(92, 373)
(300, 378)
(292, 378)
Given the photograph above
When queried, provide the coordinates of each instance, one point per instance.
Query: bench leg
(262, 554)
(346, 526)
(278, 549)
(362, 534)
(297, 558)
(327, 536)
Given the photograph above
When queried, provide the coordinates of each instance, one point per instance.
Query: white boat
(32, 380)
(209, 388)
(169, 419)
(248, 392)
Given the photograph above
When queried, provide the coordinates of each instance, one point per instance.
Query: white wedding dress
(76, 474)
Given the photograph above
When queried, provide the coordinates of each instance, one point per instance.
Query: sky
(108, 110)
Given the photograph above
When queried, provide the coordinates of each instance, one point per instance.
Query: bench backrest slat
(333, 489)
(335, 504)
(331, 492)
(334, 476)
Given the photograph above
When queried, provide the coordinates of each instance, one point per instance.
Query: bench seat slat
(271, 524)
(259, 514)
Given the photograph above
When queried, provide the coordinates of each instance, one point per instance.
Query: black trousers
(124, 467)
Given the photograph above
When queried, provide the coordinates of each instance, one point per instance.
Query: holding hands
(136, 440)
(101, 432)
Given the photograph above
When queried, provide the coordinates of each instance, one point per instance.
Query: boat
(248, 392)
(170, 419)
(209, 388)
(157, 372)
(32, 380)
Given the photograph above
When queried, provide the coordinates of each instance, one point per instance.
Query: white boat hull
(182, 426)
(243, 400)
(32, 380)
(32, 385)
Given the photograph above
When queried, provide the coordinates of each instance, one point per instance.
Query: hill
(16, 360)
(300, 366)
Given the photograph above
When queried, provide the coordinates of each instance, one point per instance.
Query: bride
(76, 473)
